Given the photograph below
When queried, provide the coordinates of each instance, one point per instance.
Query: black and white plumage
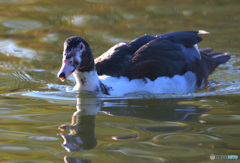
(166, 63)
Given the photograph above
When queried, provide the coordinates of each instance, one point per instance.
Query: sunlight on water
(42, 120)
(9, 48)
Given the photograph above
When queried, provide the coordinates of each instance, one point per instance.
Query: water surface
(38, 118)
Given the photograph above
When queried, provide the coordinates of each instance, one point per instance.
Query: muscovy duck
(166, 63)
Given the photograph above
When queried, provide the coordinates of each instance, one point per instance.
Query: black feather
(187, 38)
(73, 42)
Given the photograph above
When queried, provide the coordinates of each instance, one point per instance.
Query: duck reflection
(81, 134)
(172, 110)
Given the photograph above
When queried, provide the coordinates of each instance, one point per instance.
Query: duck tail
(215, 58)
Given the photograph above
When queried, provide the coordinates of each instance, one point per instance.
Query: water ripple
(43, 138)
(22, 24)
(30, 148)
(10, 48)
(186, 138)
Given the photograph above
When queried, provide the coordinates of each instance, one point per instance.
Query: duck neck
(89, 81)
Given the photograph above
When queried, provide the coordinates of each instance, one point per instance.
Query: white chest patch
(86, 81)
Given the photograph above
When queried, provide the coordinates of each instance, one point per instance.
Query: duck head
(77, 56)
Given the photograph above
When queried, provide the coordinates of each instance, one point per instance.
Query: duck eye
(81, 46)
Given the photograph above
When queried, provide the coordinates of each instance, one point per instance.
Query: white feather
(177, 84)
(91, 82)
(203, 32)
(196, 47)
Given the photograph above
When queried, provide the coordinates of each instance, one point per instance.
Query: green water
(36, 115)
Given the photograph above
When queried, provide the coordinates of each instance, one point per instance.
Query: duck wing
(116, 61)
(166, 55)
